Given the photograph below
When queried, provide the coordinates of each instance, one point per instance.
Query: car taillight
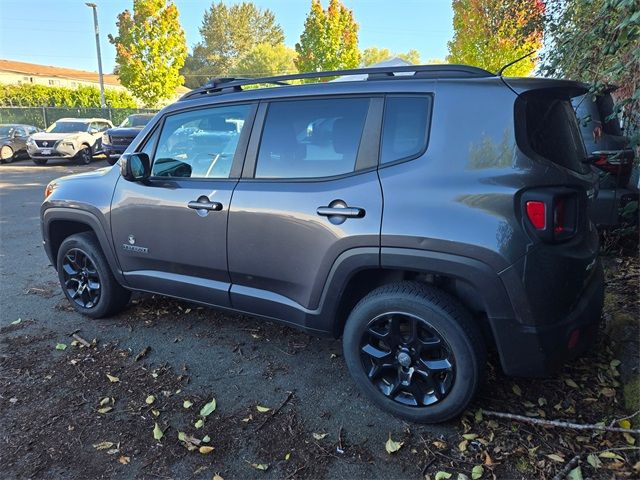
(537, 213)
(552, 212)
(558, 215)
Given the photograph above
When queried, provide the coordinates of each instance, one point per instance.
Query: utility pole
(94, 7)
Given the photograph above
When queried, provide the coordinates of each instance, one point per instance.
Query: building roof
(68, 73)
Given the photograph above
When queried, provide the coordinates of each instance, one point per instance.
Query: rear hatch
(555, 199)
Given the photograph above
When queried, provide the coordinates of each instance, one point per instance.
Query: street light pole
(94, 7)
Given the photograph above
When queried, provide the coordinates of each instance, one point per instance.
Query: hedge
(30, 95)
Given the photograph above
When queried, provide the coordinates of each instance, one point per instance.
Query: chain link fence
(42, 117)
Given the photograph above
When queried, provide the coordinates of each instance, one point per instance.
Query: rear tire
(40, 161)
(86, 278)
(415, 352)
(6, 154)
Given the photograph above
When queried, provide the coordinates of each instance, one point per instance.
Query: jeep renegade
(423, 217)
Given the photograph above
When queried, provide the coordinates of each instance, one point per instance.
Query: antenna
(499, 72)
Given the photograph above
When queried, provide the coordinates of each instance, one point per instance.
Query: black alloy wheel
(81, 278)
(84, 156)
(407, 360)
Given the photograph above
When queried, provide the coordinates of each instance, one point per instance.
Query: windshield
(133, 121)
(5, 131)
(68, 127)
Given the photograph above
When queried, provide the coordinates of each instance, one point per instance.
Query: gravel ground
(61, 416)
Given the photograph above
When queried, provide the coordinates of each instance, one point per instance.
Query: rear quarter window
(405, 127)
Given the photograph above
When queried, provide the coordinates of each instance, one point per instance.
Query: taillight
(558, 215)
(537, 213)
(552, 212)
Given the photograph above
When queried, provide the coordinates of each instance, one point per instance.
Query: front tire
(86, 278)
(6, 154)
(415, 352)
(83, 157)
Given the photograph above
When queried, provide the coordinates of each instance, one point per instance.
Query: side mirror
(135, 167)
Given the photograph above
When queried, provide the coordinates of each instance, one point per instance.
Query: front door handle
(203, 203)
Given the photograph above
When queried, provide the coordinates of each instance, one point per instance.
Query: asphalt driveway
(95, 405)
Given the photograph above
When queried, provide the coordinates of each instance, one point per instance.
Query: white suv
(77, 138)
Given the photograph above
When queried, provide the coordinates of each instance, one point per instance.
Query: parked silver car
(68, 138)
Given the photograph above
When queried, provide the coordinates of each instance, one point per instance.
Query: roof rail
(223, 85)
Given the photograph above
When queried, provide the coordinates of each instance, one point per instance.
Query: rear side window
(552, 132)
(405, 129)
(311, 138)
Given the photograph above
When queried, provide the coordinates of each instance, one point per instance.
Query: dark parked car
(13, 141)
(423, 218)
(116, 140)
(611, 155)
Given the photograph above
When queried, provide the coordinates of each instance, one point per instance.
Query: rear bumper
(536, 351)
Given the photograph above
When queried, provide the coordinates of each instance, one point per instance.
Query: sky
(60, 32)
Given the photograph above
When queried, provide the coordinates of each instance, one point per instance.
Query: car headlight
(69, 144)
(105, 138)
(30, 141)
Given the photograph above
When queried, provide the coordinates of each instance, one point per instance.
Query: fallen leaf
(608, 454)
(124, 460)
(287, 456)
(209, 408)
(157, 432)
(594, 461)
(319, 436)
(440, 445)
(262, 409)
(61, 346)
(16, 322)
(182, 436)
(186, 404)
(575, 474)
(517, 390)
(542, 401)
(477, 472)
(615, 363)
(392, 447)
(462, 446)
(571, 383)
(155, 412)
(217, 477)
(470, 436)
(199, 423)
(624, 423)
(260, 466)
(248, 419)
(104, 401)
(555, 457)
(104, 410)
(462, 476)
(112, 379)
(150, 399)
(442, 475)
(103, 445)
(205, 450)
(629, 438)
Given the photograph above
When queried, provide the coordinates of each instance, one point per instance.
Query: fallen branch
(81, 340)
(614, 421)
(573, 463)
(558, 424)
(275, 412)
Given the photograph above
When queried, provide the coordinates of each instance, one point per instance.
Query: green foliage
(491, 33)
(267, 60)
(150, 50)
(31, 95)
(329, 40)
(373, 55)
(230, 33)
(598, 41)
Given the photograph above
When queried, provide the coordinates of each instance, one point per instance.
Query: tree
(329, 40)
(596, 41)
(373, 55)
(267, 60)
(228, 34)
(491, 33)
(150, 50)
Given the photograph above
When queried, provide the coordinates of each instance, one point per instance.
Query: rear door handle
(203, 203)
(339, 208)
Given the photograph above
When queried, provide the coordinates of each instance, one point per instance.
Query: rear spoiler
(565, 89)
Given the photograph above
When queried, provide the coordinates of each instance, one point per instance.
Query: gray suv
(425, 218)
